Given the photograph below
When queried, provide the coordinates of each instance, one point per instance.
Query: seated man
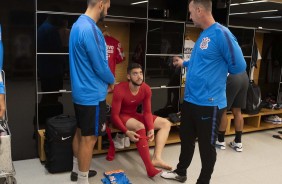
(126, 98)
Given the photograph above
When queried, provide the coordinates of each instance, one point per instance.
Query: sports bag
(253, 104)
(59, 134)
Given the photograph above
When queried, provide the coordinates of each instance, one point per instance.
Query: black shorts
(91, 119)
(236, 90)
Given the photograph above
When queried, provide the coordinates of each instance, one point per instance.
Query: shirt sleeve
(2, 88)
(231, 52)
(147, 112)
(97, 56)
(115, 112)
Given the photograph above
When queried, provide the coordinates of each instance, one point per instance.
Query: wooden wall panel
(121, 32)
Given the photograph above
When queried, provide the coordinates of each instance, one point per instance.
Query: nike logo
(205, 118)
(65, 138)
(133, 101)
(144, 146)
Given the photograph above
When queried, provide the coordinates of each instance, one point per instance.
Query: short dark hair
(132, 66)
(207, 4)
(94, 2)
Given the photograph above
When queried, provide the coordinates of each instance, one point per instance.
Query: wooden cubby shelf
(252, 123)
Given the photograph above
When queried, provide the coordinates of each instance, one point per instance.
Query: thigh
(134, 124)
(241, 97)
(91, 119)
(208, 120)
(160, 122)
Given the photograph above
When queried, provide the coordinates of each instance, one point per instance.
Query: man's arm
(2, 87)
(147, 112)
(115, 112)
(231, 52)
(97, 58)
(179, 62)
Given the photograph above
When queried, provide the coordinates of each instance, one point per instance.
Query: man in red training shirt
(126, 98)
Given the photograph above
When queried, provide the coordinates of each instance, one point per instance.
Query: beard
(135, 83)
(102, 16)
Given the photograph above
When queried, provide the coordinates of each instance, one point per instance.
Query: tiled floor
(259, 163)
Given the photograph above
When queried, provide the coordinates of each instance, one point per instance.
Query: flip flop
(277, 137)
(280, 132)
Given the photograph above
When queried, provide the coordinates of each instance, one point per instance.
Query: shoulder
(222, 31)
(121, 86)
(146, 87)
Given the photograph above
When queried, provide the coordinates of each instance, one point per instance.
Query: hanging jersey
(188, 47)
(114, 52)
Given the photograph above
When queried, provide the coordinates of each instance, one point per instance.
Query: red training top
(124, 103)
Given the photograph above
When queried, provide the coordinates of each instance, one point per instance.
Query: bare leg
(75, 142)
(163, 127)
(223, 122)
(238, 119)
(85, 152)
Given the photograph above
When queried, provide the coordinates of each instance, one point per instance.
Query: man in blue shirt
(90, 79)
(2, 87)
(215, 53)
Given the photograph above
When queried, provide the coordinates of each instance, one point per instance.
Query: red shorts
(140, 117)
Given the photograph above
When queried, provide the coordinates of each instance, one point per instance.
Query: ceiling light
(254, 2)
(253, 12)
(265, 11)
(251, 2)
(139, 2)
(274, 17)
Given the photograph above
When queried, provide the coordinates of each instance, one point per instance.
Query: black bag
(253, 104)
(59, 134)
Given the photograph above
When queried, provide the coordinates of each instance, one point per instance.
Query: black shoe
(280, 132)
(91, 173)
(277, 136)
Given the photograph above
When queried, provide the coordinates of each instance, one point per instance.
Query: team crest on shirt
(103, 127)
(205, 43)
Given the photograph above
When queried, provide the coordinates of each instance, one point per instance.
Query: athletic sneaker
(173, 176)
(119, 141)
(236, 146)
(274, 119)
(73, 175)
(220, 145)
(126, 142)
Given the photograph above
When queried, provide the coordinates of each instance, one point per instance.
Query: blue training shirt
(89, 70)
(216, 52)
(2, 88)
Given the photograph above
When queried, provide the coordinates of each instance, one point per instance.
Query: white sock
(82, 177)
(75, 164)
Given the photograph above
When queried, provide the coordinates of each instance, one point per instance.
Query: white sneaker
(126, 142)
(274, 119)
(119, 141)
(173, 176)
(236, 146)
(220, 145)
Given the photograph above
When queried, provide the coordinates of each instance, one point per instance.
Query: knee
(139, 126)
(165, 124)
(88, 140)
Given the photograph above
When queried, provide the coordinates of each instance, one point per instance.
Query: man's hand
(134, 137)
(111, 88)
(2, 105)
(177, 61)
(151, 135)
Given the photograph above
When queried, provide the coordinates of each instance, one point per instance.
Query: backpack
(253, 104)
